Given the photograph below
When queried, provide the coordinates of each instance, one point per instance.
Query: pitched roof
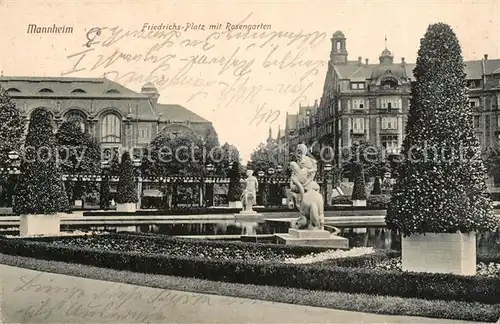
(355, 71)
(63, 86)
(176, 112)
(359, 72)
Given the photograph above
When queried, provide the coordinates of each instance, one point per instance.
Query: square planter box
(235, 204)
(39, 225)
(440, 253)
(127, 208)
(359, 203)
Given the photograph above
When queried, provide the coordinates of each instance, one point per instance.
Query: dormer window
(389, 84)
(13, 90)
(46, 90)
(78, 91)
(112, 91)
(473, 84)
(357, 85)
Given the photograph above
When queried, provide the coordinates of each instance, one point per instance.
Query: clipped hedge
(325, 277)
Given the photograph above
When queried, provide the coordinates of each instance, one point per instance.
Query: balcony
(389, 131)
(358, 132)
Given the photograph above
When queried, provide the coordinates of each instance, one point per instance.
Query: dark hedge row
(327, 277)
(217, 211)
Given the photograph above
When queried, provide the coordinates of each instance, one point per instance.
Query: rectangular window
(390, 143)
(389, 123)
(357, 85)
(358, 103)
(358, 125)
(498, 121)
(474, 102)
(389, 103)
(476, 121)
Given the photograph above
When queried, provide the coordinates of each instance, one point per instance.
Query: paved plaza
(38, 297)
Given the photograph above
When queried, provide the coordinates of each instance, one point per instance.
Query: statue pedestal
(245, 214)
(319, 238)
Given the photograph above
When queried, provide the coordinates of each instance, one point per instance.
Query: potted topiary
(126, 192)
(440, 197)
(234, 191)
(40, 192)
(359, 190)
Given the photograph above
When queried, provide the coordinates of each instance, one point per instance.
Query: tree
(230, 155)
(234, 191)
(264, 157)
(365, 155)
(359, 190)
(104, 195)
(127, 190)
(441, 184)
(13, 125)
(377, 186)
(40, 187)
(79, 153)
(11, 137)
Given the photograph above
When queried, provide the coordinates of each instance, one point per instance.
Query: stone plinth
(235, 204)
(319, 238)
(126, 208)
(39, 225)
(440, 253)
(247, 214)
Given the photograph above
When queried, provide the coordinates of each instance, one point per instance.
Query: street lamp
(204, 187)
(260, 173)
(105, 182)
(13, 161)
(327, 167)
(279, 168)
(137, 165)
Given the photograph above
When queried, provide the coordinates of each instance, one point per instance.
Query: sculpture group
(308, 199)
(305, 190)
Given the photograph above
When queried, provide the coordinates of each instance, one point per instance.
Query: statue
(250, 193)
(308, 199)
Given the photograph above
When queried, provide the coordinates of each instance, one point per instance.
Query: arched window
(389, 83)
(46, 90)
(112, 91)
(13, 90)
(111, 129)
(78, 91)
(79, 118)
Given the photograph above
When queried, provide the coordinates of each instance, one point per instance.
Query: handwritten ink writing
(268, 116)
(291, 60)
(240, 92)
(118, 33)
(111, 303)
(312, 39)
(75, 68)
(92, 34)
(240, 67)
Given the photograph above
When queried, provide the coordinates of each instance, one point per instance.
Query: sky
(219, 74)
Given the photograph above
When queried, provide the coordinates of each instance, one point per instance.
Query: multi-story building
(117, 116)
(370, 101)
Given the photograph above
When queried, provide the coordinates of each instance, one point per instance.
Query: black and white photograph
(327, 161)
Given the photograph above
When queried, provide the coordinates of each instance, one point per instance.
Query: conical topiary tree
(40, 189)
(441, 181)
(234, 191)
(377, 188)
(126, 191)
(359, 190)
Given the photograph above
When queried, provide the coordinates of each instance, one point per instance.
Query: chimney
(359, 61)
(366, 61)
(403, 60)
(316, 103)
(485, 57)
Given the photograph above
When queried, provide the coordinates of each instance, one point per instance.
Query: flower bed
(490, 269)
(339, 275)
(180, 248)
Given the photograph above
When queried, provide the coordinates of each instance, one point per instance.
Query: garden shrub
(325, 277)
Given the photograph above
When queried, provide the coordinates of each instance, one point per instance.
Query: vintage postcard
(199, 161)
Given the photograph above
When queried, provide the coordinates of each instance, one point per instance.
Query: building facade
(370, 101)
(117, 116)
